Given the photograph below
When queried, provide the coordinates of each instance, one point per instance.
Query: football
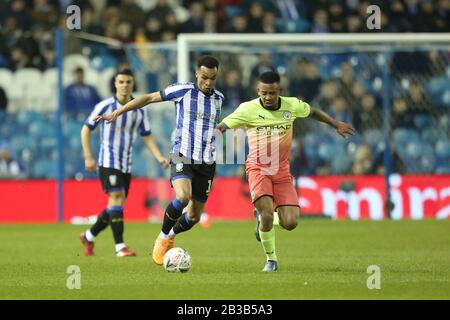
(177, 260)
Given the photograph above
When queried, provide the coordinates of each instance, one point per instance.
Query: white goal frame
(184, 41)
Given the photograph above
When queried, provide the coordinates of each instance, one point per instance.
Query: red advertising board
(340, 197)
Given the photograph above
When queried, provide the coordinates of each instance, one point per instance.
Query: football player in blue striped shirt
(197, 107)
(114, 161)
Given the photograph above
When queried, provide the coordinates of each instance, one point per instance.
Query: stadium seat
(340, 164)
(73, 61)
(442, 149)
(6, 82)
(423, 121)
(103, 87)
(28, 81)
(373, 136)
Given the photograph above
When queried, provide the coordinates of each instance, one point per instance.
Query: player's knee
(290, 224)
(183, 196)
(118, 198)
(266, 217)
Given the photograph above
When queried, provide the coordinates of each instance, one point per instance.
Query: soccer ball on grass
(177, 260)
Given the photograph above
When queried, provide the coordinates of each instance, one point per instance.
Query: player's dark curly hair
(269, 77)
(126, 72)
(208, 62)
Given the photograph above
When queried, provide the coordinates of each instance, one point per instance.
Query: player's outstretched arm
(151, 144)
(132, 105)
(342, 128)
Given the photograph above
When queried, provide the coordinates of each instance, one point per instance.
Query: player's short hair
(208, 62)
(269, 77)
(125, 72)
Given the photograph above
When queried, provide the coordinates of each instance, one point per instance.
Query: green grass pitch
(321, 259)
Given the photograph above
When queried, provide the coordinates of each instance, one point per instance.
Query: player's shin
(116, 221)
(184, 224)
(173, 213)
(101, 223)
(268, 243)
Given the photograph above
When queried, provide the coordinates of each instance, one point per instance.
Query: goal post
(185, 41)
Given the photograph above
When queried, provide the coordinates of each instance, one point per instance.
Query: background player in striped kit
(197, 107)
(115, 159)
(269, 120)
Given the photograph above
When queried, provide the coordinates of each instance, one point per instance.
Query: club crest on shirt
(113, 180)
(179, 167)
(287, 115)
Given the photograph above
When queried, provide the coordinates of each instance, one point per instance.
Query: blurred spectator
(125, 32)
(17, 9)
(221, 16)
(89, 24)
(398, 166)
(362, 160)
(307, 87)
(233, 89)
(162, 8)
(417, 99)
(45, 14)
(153, 28)
(320, 22)
(210, 22)
(402, 116)
(339, 110)
(269, 23)
(195, 22)
(3, 99)
(345, 81)
(299, 162)
(410, 64)
(442, 16)
(255, 16)
(323, 168)
(397, 15)
(264, 64)
(353, 24)
(327, 92)
(9, 168)
(20, 59)
(132, 13)
(80, 97)
(239, 24)
(369, 117)
(335, 13)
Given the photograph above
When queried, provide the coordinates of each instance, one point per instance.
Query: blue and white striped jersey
(197, 115)
(117, 137)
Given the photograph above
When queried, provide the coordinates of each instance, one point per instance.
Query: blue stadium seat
(442, 149)
(292, 26)
(44, 169)
(232, 11)
(42, 129)
(340, 164)
(373, 136)
(423, 121)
